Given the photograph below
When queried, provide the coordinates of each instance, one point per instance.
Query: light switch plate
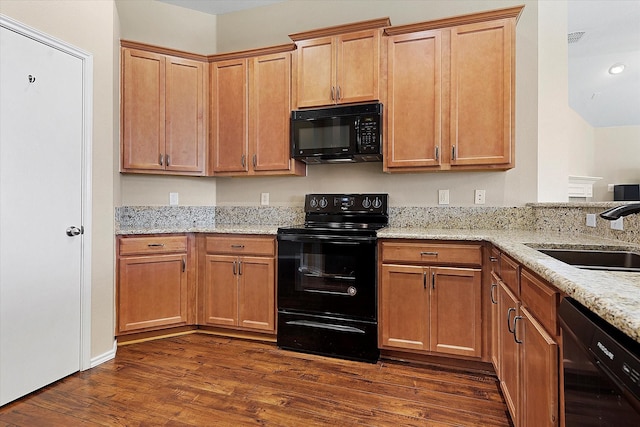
(173, 199)
(591, 220)
(264, 199)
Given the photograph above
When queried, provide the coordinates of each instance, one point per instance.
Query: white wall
(618, 158)
(91, 26)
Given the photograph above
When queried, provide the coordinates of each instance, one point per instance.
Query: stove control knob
(366, 203)
(313, 202)
(323, 203)
(377, 202)
(352, 291)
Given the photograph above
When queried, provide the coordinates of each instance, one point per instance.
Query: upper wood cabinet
(163, 126)
(250, 109)
(450, 93)
(338, 65)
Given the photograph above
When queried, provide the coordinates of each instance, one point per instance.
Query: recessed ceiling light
(616, 68)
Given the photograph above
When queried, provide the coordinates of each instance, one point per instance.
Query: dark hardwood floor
(204, 380)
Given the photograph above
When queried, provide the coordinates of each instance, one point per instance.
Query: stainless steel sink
(596, 259)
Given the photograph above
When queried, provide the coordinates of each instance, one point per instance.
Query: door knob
(74, 231)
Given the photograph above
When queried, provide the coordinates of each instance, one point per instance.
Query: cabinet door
(256, 293)
(495, 324)
(143, 110)
(229, 115)
(185, 129)
(509, 308)
(539, 374)
(315, 72)
(404, 307)
(220, 290)
(455, 311)
(414, 94)
(357, 72)
(270, 109)
(481, 93)
(152, 292)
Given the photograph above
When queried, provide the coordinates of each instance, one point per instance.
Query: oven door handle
(332, 239)
(310, 324)
(318, 274)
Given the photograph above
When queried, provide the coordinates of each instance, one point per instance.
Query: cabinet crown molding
(162, 50)
(251, 52)
(341, 29)
(472, 18)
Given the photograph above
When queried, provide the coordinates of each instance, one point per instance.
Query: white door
(41, 142)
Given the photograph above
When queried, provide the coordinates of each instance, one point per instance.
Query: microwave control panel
(368, 134)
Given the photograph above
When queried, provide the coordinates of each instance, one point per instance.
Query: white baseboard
(104, 357)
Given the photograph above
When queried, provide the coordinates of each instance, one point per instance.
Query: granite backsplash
(567, 218)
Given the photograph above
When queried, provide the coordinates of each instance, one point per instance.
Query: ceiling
(611, 35)
(220, 7)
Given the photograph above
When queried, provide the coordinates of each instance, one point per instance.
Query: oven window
(327, 273)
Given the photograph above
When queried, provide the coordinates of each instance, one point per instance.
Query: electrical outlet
(480, 197)
(610, 188)
(173, 199)
(443, 197)
(591, 220)
(617, 224)
(264, 199)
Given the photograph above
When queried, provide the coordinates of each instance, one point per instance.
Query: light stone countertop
(614, 296)
(218, 229)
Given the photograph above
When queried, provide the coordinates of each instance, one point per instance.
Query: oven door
(328, 275)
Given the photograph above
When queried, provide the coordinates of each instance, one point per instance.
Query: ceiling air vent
(575, 36)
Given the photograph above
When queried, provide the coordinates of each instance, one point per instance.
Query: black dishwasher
(601, 370)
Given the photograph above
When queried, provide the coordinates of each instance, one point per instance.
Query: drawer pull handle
(493, 286)
(237, 246)
(511, 309)
(429, 253)
(156, 245)
(493, 259)
(515, 330)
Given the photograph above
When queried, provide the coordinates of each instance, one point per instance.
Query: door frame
(87, 133)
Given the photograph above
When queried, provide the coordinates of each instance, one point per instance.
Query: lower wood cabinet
(430, 308)
(237, 286)
(152, 283)
(529, 376)
(159, 286)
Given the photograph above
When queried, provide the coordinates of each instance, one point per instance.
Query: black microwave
(350, 133)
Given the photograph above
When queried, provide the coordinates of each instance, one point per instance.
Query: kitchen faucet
(620, 211)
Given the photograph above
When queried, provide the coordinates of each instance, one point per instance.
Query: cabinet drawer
(540, 299)
(241, 245)
(152, 245)
(510, 274)
(431, 253)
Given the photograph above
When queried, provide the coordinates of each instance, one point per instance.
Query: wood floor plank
(205, 380)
